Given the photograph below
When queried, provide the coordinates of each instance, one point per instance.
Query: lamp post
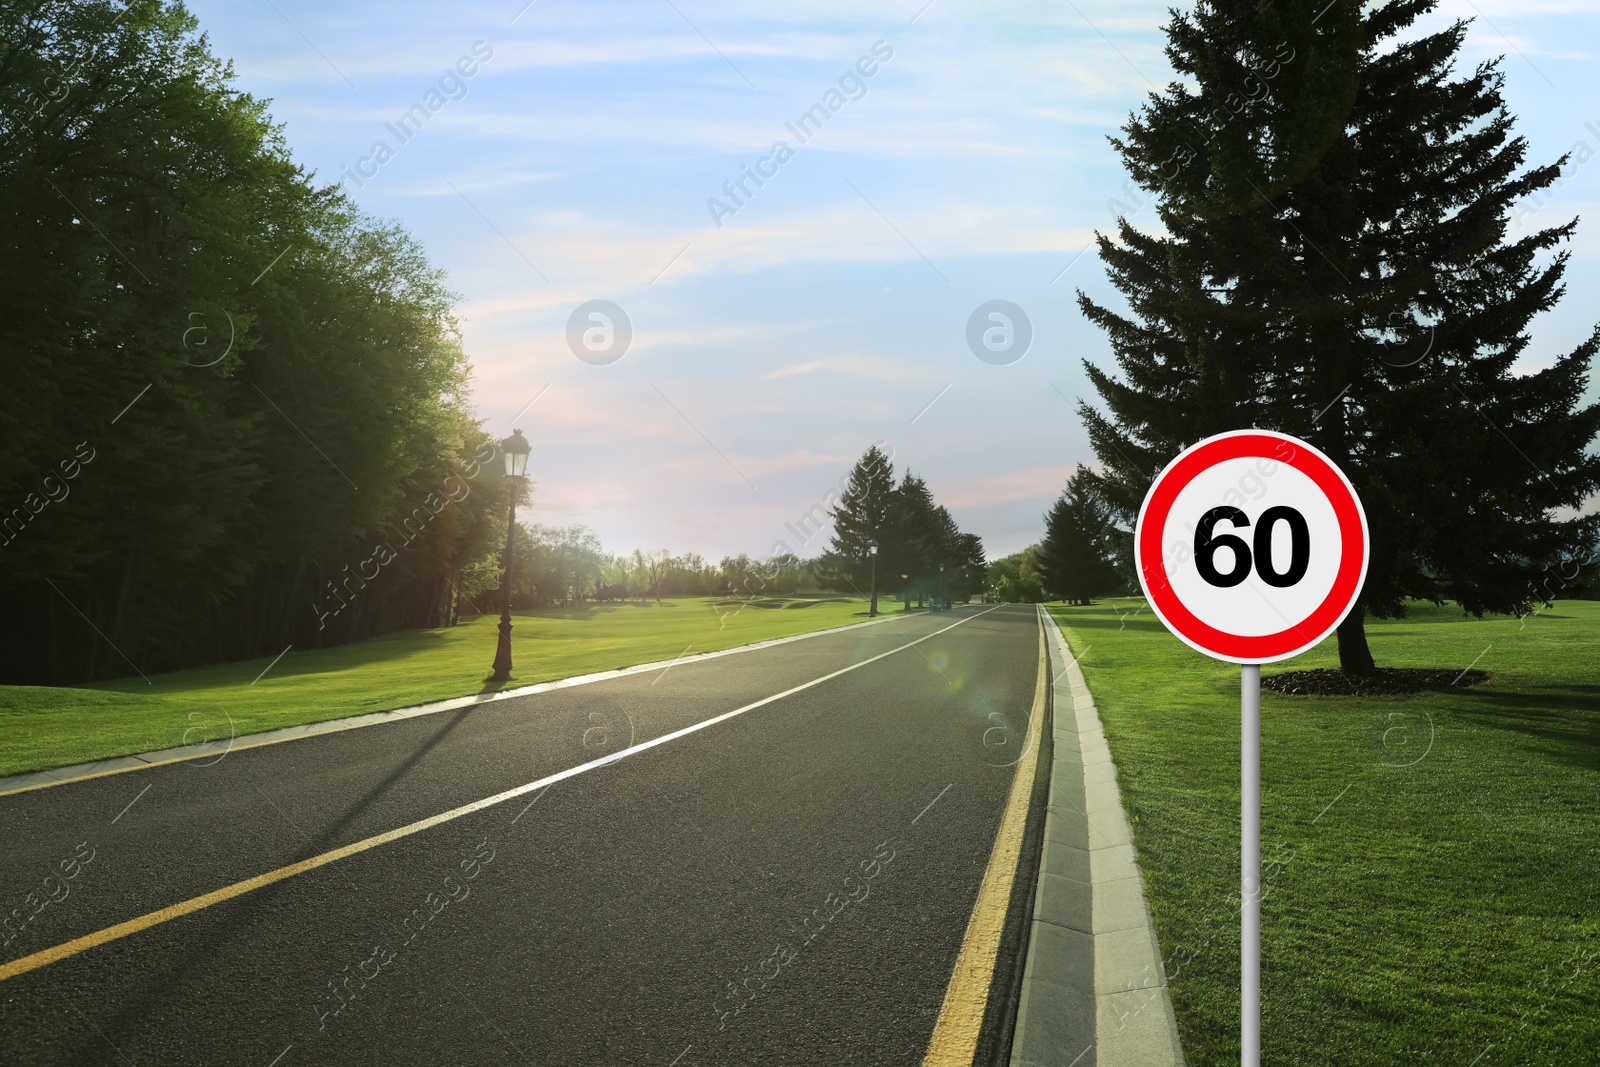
(942, 597)
(515, 449)
(872, 609)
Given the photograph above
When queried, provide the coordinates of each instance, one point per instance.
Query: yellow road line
(24, 964)
(111, 933)
(955, 1035)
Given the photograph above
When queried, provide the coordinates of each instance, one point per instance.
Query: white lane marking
(22, 965)
(606, 761)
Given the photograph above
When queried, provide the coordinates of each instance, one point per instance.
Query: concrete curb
(1094, 991)
(21, 783)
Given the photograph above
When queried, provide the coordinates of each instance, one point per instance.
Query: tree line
(921, 552)
(235, 407)
(1084, 552)
(561, 567)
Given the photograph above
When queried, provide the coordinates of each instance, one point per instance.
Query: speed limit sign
(1251, 547)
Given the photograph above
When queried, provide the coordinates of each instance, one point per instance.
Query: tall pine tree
(920, 548)
(917, 535)
(862, 518)
(1339, 263)
(1074, 559)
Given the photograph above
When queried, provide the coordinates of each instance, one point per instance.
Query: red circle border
(1263, 648)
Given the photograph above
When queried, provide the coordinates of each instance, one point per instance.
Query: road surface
(788, 885)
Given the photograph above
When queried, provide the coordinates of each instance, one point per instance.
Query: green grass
(1423, 903)
(51, 727)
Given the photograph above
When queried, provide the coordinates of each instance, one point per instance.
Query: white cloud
(1005, 487)
(806, 326)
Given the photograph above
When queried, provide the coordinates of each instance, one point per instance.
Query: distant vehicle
(939, 603)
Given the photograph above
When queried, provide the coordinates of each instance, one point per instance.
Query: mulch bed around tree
(1329, 682)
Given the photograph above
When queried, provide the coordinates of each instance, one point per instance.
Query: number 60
(1206, 545)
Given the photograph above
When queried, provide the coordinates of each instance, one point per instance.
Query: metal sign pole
(1250, 865)
(1214, 612)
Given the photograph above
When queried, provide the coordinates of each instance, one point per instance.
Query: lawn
(52, 727)
(1431, 862)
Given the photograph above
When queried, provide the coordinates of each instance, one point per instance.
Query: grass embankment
(1431, 862)
(51, 727)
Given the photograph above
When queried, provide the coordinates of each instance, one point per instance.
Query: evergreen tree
(915, 537)
(972, 566)
(862, 519)
(946, 551)
(1338, 264)
(917, 531)
(1074, 559)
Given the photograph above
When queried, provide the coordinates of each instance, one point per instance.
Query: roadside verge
(1094, 990)
(44, 778)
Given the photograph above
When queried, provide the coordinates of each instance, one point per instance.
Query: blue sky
(830, 308)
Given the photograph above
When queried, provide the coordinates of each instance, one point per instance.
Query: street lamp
(515, 449)
(872, 609)
(942, 597)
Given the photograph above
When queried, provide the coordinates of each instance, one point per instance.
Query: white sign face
(1251, 546)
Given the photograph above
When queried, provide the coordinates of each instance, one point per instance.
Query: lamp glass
(515, 449)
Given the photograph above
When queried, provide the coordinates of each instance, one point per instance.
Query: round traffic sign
(1251, 546)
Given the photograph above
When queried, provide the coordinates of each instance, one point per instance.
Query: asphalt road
(788, 886)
